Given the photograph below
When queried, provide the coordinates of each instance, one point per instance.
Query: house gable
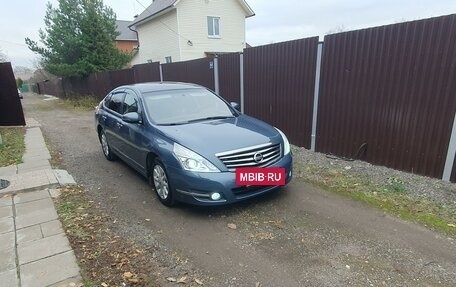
(158, 39)
(160, 7)
(180, 29)
(195, 41)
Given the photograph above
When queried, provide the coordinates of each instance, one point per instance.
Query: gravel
(419, 187)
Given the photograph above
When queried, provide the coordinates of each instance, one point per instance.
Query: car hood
(213, 136)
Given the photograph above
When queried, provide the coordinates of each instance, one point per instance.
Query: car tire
(107, 151)
(160, 182)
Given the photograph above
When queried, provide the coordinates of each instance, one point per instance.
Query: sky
(275, 21)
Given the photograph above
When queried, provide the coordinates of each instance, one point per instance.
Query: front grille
(256, 156)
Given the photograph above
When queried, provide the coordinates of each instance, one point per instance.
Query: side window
(107, 100)
(116, 102)
(130, 103)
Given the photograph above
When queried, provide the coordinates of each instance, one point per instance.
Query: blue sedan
(189, 142)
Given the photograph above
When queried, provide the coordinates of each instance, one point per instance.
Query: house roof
(125, 33)
(156, 7)
(159, 6)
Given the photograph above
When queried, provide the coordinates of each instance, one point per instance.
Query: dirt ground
(298, 236)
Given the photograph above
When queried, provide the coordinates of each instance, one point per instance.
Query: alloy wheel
(161, 182)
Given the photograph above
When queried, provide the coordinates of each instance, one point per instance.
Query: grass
(82, 103)
(12, 147)
(392, 196)
(86, 103)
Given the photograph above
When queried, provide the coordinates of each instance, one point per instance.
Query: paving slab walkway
(34, 250)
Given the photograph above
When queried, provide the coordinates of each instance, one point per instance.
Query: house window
(213, 26)
(168, 59)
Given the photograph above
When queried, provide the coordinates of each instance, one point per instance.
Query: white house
(180, 30)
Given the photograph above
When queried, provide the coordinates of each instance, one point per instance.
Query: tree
(19, 83)
(337, 29)
(79, 39)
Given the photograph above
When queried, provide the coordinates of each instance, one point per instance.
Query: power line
(14, 43)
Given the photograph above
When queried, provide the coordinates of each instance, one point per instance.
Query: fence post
(241, 80)
(450, 154)
(216, 75)
(161, 72)
(316, 94)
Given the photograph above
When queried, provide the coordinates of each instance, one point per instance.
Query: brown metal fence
(387, 94)
(52, 87)
(122, 77)
(147, 72)
(99, 84)
(279, 81)
(11, 113)
(199, 71)
(229, 77)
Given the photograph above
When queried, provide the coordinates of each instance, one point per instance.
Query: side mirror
(132, 118)
(236, 106)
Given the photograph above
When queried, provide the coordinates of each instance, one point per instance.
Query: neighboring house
(127, 40)
(180, 30)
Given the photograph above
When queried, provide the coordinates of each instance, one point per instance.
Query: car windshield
(174, 107)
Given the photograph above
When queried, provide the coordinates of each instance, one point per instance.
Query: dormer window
(213, 27)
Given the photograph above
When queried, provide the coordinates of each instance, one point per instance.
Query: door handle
(104, 117)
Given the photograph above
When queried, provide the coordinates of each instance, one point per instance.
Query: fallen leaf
(128, 275)
(232, 226)
(133, 280)
(171, 279)
(104, 284)
(199, 282)
(451, 225)
(147, 219)
(182, 280)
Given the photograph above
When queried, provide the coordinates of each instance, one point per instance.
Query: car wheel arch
(151, 156)
(99, 129)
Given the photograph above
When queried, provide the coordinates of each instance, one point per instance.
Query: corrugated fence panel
(279, 81)
(387, 94)
(100, 84)
(11, 113)
(75, 87)
(122, 77)
(199, 71)
(229, 77)
(52, 87)
(147, 72)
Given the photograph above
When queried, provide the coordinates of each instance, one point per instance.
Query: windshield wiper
(211, 118)
(174, 124)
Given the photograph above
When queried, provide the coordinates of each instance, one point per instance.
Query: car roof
(160, 86)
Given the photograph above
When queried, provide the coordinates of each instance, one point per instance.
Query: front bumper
(196, 188)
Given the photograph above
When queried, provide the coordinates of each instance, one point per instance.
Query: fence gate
(11, 113)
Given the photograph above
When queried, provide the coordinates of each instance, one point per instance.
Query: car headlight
(192, 161)
(286, 143)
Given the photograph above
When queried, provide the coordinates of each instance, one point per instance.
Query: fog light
(216, 196)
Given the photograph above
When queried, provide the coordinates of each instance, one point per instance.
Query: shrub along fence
(385, 95)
